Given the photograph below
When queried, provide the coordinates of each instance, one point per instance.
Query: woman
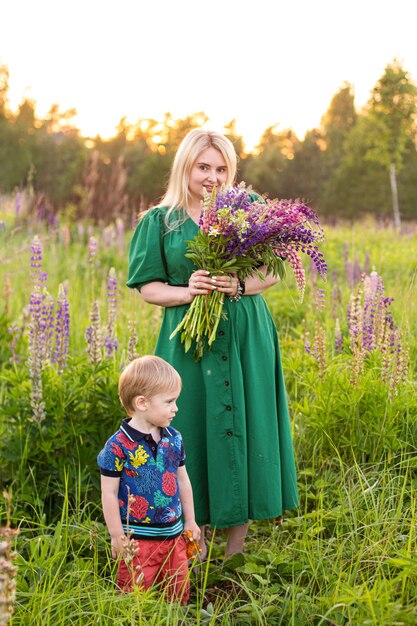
(233, 412)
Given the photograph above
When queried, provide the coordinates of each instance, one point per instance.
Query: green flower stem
(201, 322)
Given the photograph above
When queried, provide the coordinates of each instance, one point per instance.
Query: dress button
(224, 357)
(221, 333)
(229, 433)
(226, 383)
(228, 408)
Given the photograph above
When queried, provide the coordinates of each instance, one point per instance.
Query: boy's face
(162, 408)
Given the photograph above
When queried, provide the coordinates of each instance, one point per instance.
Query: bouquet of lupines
(240, 232)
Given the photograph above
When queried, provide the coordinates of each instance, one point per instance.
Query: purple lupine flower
(240, 235)
(18, 203)
(36, 262)
(35, 358)
(132, 352)
(15, 333)
(62, 330)
(47, 322)
(110, 340)
(120, 228)
(319, 300)
(109, 236)
(336, 296)
(338, 338)
(319, 348)
(65, 235)
(93, 335)
(92, 248)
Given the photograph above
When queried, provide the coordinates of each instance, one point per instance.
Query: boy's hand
(118, 545)
(195, 530)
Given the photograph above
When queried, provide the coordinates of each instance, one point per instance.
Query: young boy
(145, 486)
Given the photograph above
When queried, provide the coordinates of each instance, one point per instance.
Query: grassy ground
(346, 556)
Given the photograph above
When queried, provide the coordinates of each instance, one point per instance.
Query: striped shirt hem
(149, 532)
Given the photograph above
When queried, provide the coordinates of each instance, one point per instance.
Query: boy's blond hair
(146, 376)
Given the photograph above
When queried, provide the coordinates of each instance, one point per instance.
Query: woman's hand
(202, 282)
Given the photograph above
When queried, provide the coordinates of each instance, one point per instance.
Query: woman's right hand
(200, 282)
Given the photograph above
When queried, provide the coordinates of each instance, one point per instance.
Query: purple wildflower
(120, 228)
(109, 236)
(93, 334)
(35, 359)
(92, 248)
(15, 333)
(62, 330)
(319, 300)
(132, 352)
(47, 324)
(36, 262)
(338, 339)
(239, 234)
(18, 203)
(110, 340)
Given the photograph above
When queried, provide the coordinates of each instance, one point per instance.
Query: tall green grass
(345, 557)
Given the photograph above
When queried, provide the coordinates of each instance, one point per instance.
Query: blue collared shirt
(148, 474)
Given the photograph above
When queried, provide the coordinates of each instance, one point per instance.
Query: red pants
(159, 560)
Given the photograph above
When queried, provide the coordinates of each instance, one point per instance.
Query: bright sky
(262, 62)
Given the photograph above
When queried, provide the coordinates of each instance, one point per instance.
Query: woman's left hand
(228, 284)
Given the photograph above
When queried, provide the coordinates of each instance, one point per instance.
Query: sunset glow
(277, 65)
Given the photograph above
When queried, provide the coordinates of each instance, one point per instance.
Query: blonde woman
(233, 412)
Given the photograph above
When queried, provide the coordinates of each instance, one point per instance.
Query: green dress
(233, 412)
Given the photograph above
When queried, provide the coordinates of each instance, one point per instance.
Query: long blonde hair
(194, 143)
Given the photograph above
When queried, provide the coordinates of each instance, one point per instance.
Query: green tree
(305, 172)
(267, 172)
(59, 160)
(392, 109)
(4, 91)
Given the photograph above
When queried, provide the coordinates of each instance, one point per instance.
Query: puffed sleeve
(146, 254)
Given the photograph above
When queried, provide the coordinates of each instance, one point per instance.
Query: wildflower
(35, 359)
(355, 317)
(15, 333)
(46, 325)
(18, 203)
(62, 330)
(132, 352)
(109, 236)
(93, 334)
(8, 570)
(338, 339)
(36, 262)
(92, 248)
(65, 235)
(319, 348)
(110, 340)
(120, 236)
(7, 292)
(319, 300)
(237, 235)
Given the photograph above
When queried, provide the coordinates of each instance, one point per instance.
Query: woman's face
(208, 171)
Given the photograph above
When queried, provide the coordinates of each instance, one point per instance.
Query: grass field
(346, 556)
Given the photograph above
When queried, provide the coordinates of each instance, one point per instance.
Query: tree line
(355, 163)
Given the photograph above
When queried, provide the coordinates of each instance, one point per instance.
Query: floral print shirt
(148, 473)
